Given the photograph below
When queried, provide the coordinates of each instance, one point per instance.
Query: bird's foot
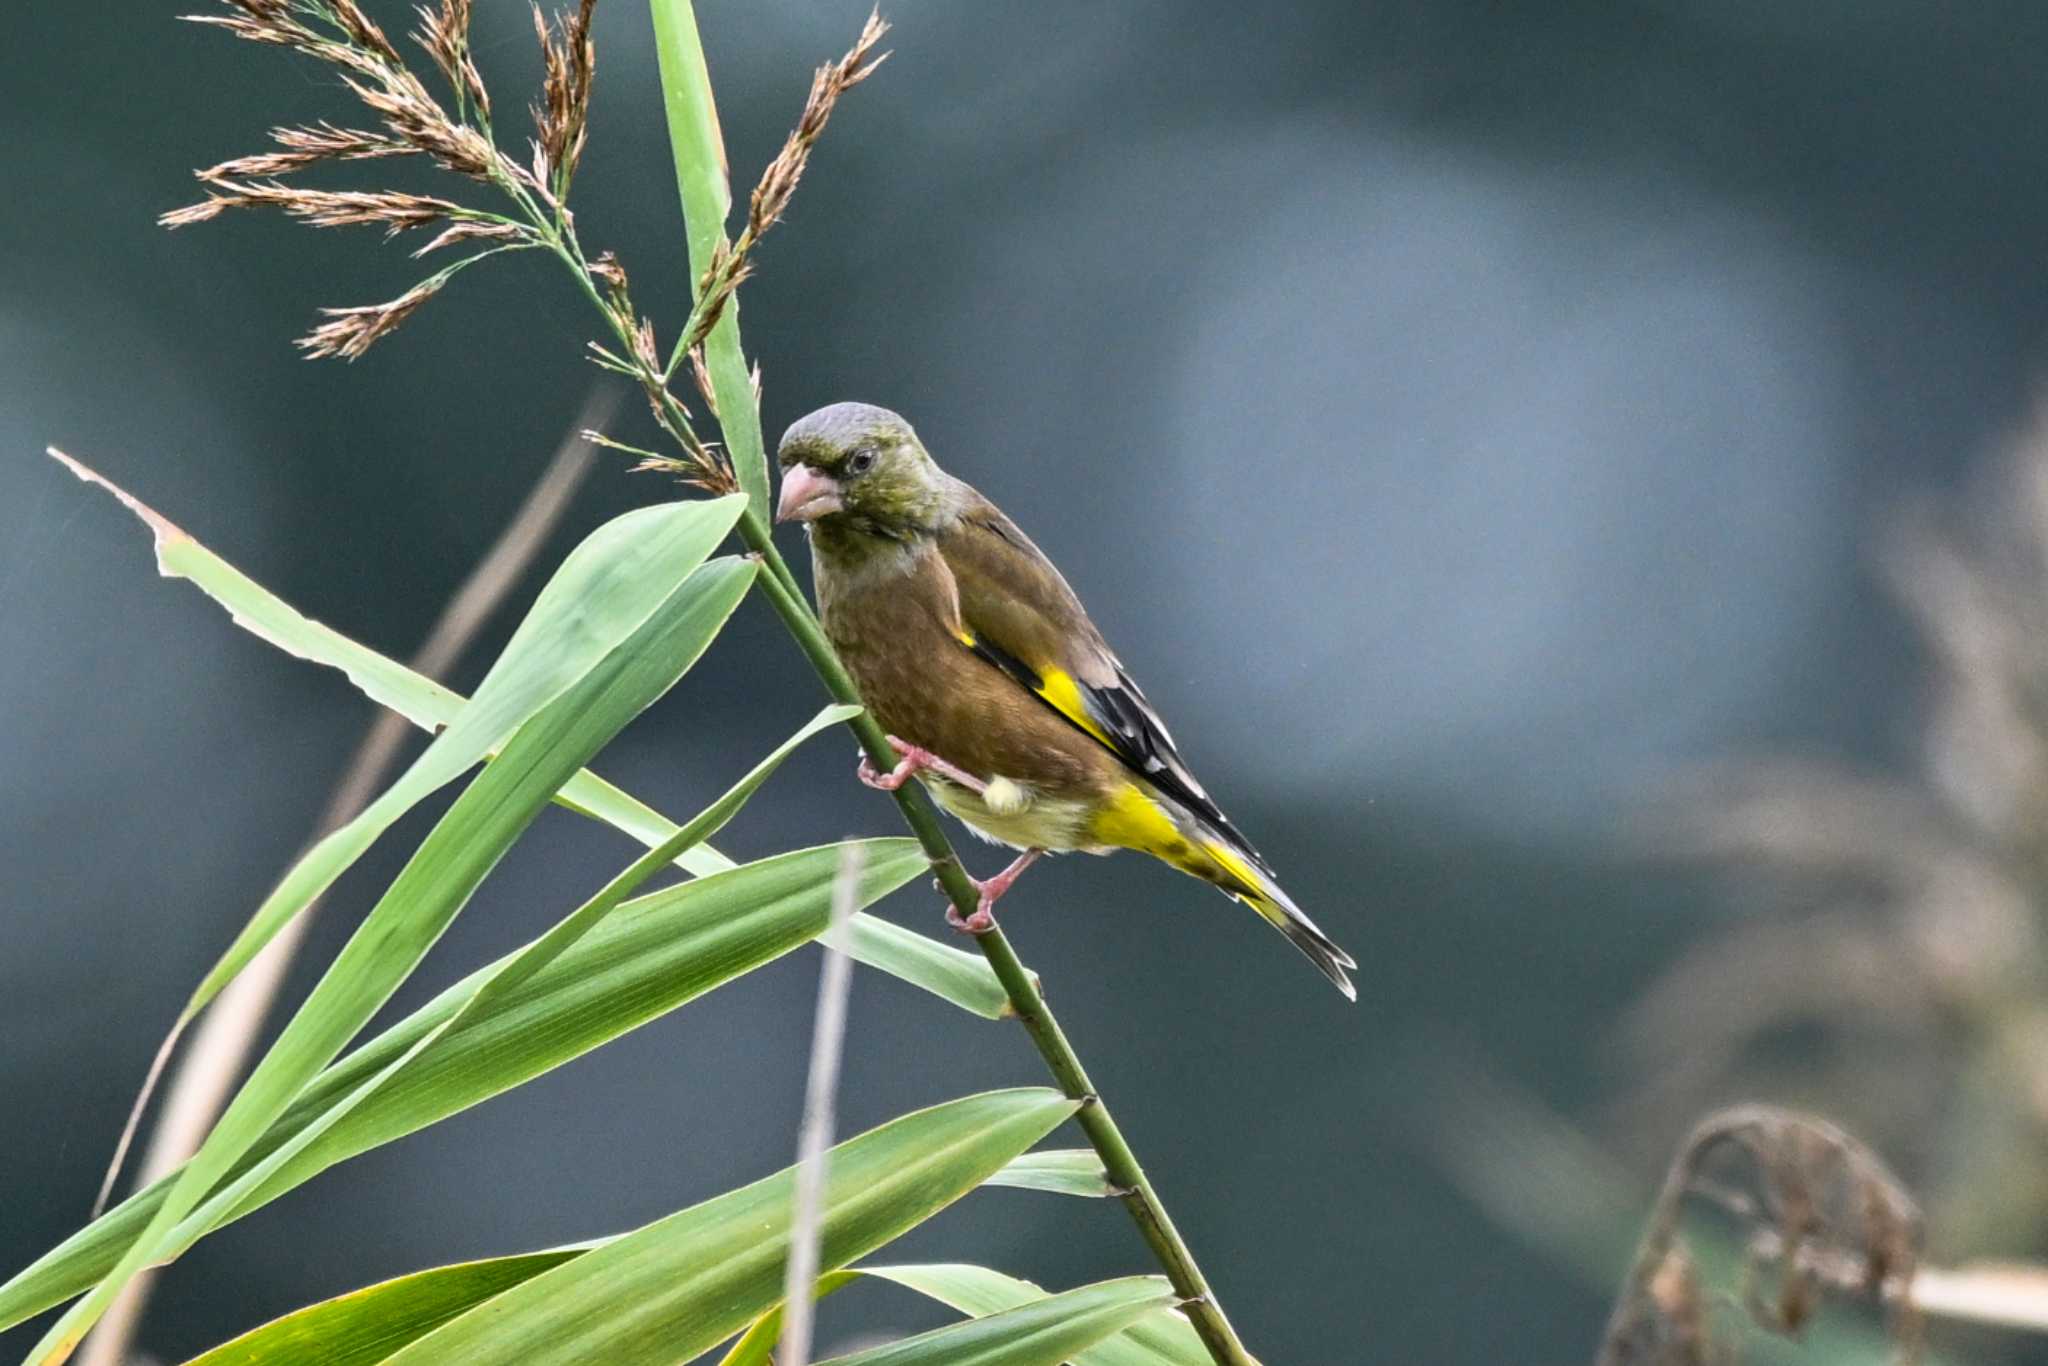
(983, 920)
(912, 760)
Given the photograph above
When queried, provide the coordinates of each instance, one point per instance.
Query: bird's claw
(885, 782)
(913, 761)
(981, 922)
(990, 891)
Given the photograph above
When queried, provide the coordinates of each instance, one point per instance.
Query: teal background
(1461, 417)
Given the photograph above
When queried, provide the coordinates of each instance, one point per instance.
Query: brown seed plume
(772, 194)
(731, 267)
(397, 97)
(561, 117)
(303, 147)
(349, 332)
(349, 16)
(472, 230)
(393, 211)
(444, 33)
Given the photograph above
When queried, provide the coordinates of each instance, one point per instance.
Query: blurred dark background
(1462, 417)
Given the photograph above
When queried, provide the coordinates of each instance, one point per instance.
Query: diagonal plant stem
(1095, 1120)
(702, 183)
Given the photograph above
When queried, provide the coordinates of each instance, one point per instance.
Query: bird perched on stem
(996, 689)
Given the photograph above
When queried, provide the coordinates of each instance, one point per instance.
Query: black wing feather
(1140, 738)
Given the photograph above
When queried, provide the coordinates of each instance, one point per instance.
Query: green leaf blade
(949, 973)
(1162, 1339)
(1044, 1332)
(366, 1326)
(1058, 1171)
(653, 955)
(683, 1284)
(703, 186)
(603, 592)
(435, 883)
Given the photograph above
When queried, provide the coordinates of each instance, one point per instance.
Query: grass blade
(369, 1325)
(365, 1326)
(498, 982)
(1045, 1332)
(681, 1285)
(756, 1346)
(949, 973)
(1059, 1171)
(463, 846)
(960, 977)
(1162, 1339)
(604, 591)
(649, 957)
(703, 183)
(606, 588)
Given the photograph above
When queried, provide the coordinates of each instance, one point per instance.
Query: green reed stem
(1154, 1224)
(701, 179)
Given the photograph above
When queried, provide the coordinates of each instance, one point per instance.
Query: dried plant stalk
(1824, 1216)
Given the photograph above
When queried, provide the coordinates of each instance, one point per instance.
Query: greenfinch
(997, 691)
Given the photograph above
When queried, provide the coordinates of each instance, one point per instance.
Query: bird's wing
(1024, 619)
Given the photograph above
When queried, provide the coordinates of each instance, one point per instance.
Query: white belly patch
(1010, 813)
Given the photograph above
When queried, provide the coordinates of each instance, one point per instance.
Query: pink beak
(807, 495)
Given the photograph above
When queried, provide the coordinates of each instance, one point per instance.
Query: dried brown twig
(1824, 1217)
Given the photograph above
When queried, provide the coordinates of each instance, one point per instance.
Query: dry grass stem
(305, 147)
(700, 375)
(473, 230)
(388, 209)
(821, 1089)
(340, 34)
(778, 183)
(2002, 1294)
(361, 31)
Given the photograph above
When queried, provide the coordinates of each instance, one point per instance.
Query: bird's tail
(1251, 882)
(1139, 817)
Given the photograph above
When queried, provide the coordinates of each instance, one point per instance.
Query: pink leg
(981, 922)
(913, 760)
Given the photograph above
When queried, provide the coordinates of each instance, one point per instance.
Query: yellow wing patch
(1056, 686)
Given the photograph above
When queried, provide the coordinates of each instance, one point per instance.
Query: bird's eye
(863, 460)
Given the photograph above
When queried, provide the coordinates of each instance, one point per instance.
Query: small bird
(997, 691)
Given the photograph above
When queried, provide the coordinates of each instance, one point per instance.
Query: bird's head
(863, 467)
